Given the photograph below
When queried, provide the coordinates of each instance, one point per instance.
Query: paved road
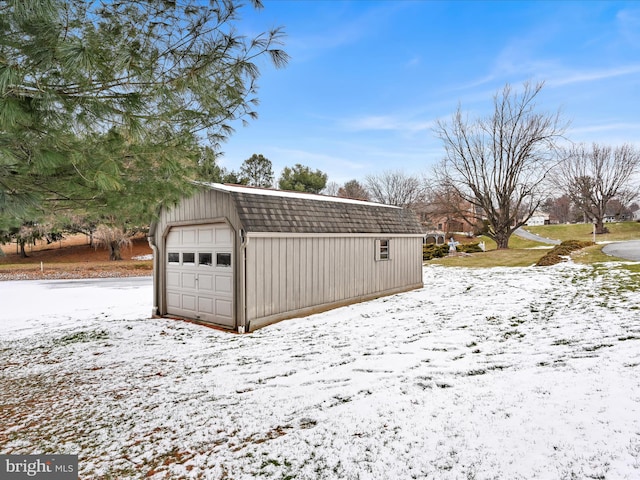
(627, 250)
(536, 238)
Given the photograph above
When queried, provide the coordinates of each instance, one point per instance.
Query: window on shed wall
(383, 249)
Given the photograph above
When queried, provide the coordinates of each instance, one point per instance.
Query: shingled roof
(262, 210)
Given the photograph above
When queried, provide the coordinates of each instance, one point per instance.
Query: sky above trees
(368, 80)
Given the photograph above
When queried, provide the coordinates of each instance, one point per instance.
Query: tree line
(95, 138)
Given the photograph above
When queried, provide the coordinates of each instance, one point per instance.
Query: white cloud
(591, 76)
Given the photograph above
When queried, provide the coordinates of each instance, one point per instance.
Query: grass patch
(83, 337)
(593, 254)
(493, 258)
(584, 232)
(523, 253)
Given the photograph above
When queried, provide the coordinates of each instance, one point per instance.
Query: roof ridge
(228, 187)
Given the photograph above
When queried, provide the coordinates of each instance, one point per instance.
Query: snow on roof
(226, 187)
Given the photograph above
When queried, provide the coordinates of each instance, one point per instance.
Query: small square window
(205, 259)
(189, 258)
(173, 257)
(382, 249)
(223, 259)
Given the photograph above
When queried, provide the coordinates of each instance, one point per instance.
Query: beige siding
(287, 275)
(311, 272)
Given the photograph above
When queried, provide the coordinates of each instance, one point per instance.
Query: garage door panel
(189, 302)
(173, 300)
(224, 308)
(173, 279)
(198, 283)
(223, 236)
(205, 305)
(188, 280)
(205, 236)
(189, 236)
(223, 284)
(205, 282)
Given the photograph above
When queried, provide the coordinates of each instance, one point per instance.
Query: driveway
(520, 232)
(627, 250)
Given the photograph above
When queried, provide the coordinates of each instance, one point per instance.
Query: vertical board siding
(288, 274)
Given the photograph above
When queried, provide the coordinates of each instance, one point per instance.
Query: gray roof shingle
(296, 214)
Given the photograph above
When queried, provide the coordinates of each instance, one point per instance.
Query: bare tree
(445, 208)
(353, 189)
(499, 164)
(331, 189)
(396, 188)
(593, 176)
(559, 207)
(113, 239)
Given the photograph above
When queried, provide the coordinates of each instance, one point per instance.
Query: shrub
(469, 248)
(563, 250)
(430, 251)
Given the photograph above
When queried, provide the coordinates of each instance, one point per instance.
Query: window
(382, 249)
(188, 258)
(205, 259)
(173, 257)
(223, 259)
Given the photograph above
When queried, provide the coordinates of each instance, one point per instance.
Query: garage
(199, 273)
(241, 258)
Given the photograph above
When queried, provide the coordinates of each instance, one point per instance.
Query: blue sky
(368, 79)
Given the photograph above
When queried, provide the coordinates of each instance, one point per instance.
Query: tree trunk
(114, 251)
(23, 252)
(502, 241)
(600, 228)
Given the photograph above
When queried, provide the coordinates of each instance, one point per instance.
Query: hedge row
(563, 250)
(431, 251)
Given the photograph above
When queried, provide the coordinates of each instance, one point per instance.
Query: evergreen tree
(257, 171)
(105, 103)
(302, 179)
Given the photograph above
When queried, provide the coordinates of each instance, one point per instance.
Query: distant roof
(264, 210)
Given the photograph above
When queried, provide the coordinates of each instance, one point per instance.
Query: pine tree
(105, 103)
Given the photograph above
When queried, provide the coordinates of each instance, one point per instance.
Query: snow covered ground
(505, 373)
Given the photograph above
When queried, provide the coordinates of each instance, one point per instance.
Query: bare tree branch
(499, 164)
(593, 176)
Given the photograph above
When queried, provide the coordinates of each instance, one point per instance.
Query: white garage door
(200, 273)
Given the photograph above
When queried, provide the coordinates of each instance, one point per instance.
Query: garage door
(199, 268)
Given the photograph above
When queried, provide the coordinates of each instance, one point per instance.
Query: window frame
(383, 249)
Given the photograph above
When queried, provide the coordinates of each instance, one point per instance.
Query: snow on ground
(518, 373)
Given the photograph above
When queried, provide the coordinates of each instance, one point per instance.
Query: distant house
(537, 219)
(241, 258)
(445, 218)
